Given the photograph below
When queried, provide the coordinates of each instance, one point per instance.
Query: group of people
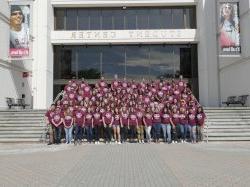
(126, 111)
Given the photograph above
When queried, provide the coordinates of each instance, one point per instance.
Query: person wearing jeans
(176, 124)
(200, 123)
(124, 124)
(192, 123)
(166, 125)
(108, 120)
(148, 120)
(157, 124)
(184, 123)
(89, 125)
(68, 125)
(79, 120)
(97, 122)
(57, 120)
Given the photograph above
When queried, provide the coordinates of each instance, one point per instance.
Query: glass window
(155, 19)
(161, 61)
(118, 17)
(190, 18)
(89, 62)
(142, 19)
(130, 19)
(59, 19)
(71, 19)
(178, 18)
(83, 19)
(166, 19)
(137, 62)
(65, 62)
(113, 61)
(95, 19)
(107, 19)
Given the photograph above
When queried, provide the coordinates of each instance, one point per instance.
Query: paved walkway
(213, 164)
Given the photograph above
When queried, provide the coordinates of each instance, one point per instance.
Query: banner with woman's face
(229, 28)
(19, 31)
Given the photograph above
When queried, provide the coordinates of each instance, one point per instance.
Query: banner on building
(229, 28)
(19, 31)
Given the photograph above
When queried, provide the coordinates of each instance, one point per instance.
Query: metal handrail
(58, 96)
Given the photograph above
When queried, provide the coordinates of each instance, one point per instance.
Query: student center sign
(134, 39)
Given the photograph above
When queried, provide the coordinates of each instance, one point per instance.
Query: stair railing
(58, 96)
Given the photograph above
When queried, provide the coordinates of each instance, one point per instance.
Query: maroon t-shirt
(79, 117)
(139, 115)
(49, 115)
(116, 119)
(88, 119)
(107, 117)
(176, 119)
(165, 118)
(148, 119)
(192, 119)
(56, 118)
(68, 119)
(156, 118)
(183, 119)
(124, 119)
(200, 118)
(97, 120)
(132, 119)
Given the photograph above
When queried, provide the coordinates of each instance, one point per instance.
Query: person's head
(227, 12)
(16, 17)
(200, 109)
(53, 107)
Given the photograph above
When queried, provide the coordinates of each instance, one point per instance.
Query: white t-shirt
(20, 39)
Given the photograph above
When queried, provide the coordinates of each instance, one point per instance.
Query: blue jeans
(180, 131)
(78, 132)
(187, 129)
(166, 128)
(58, 134)
(89, 133)
(157, 131)
(68, 134)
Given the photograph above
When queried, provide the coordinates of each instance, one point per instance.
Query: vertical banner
(229, 28)
(19, 31)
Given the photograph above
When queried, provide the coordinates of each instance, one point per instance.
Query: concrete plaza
(212, 164)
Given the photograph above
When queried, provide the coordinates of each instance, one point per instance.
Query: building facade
(135, 39)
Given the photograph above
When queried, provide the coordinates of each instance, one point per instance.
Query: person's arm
(137, 122)
(121, 122)
(143, 119)
(92, 121)
(172, 123)
(128, 123)
(83, 121)
(103, 120)
(72, 122)
(112, 120)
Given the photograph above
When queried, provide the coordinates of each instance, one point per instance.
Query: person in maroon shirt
(97, 122)
(133, 124)
(200, 117)
(57, 119)
(79, 120)
(192, 123)
(184, 123)
(51, 127)
(175, 123)
(89, 124)
(124, 124)
(116, 126)
(156, 124)
(108, 120)
(68, 125)
(166, 125)
(148, 120)
(140, 127)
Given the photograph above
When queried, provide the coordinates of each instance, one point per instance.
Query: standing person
(140, 127)
(192, 123)
(148, 121)
(49, 123)
(116, 126)
(57, 120)
(79, 121)
(132, 124)
(157, 124)
(200, 123)
(166, 125)
(124, 124)
(184, 123)
(89, 125)
(177, 133)
(68, 125)
(97, 122)
(107, 119)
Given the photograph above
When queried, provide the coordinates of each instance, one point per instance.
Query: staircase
(22, 126)
(227, 124)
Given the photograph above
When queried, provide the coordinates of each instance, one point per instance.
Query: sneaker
(115, 142)
(95, 142)
(142, 141)
(119, 143)
(182, 141)
(49, 143)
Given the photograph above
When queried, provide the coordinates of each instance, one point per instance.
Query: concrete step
(227, 139)
(36, 128)
(12, 132)
(228, 130)
(20, 135)
(226, 134)
(227, 123)
(228, 120)
(22, 125)
(21, 122)
(228, 126)
(20, 140)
